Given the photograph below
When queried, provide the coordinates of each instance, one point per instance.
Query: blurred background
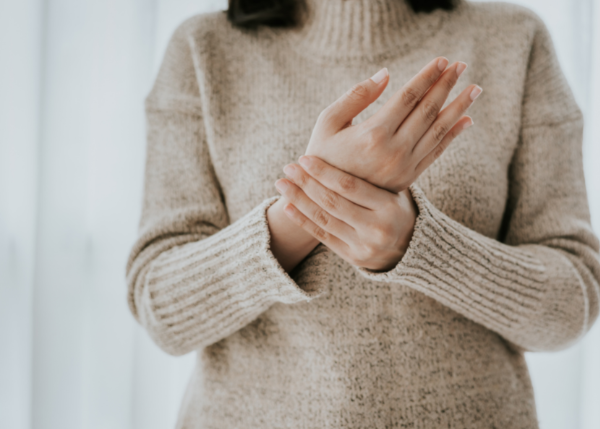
(73, 76)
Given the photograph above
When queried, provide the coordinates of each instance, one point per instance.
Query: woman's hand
(394, 146)
(365, 225)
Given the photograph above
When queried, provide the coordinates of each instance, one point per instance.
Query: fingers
(462, 124)
(348, 186)
(425, 113)
(399, 106)
(341, 112)
(330, 201)
(445, 121)
(328, 224)
(300, 219)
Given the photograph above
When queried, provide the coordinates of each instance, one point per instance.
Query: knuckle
(358, 92)
(430, 110)
(368, 252)
(380, 233)
(321, 218)
(348, 183)
(440, 130)
(409, 97)
(320, 233)
(330, 201)
(393, 202)
(377, 135)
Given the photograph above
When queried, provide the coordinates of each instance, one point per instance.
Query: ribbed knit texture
(502, 259)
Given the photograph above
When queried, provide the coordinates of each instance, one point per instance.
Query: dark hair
(284, 13)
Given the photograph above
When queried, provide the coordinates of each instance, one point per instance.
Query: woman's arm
(193, 277)
(538, 286)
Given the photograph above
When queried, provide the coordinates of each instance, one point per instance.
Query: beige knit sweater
(502, 259)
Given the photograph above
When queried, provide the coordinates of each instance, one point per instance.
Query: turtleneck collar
(360, 29)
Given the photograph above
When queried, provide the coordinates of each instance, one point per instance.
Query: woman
(402, 270)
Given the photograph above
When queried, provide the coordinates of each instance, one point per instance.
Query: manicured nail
(281, 185)
(467, 124)
(475, 93)
(460, 68)
(304, 161)
(442, 63)
(380, 75)
(288, 169)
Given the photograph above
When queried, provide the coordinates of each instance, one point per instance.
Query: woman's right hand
(395, 145)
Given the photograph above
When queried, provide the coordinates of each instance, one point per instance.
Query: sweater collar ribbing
(360, 29)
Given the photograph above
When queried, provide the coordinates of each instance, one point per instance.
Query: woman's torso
(364, 354)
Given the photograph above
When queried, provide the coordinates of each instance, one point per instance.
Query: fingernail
(288, 169)
(304, 161)
(380, 75)
(475, 93)
(281, 185)
(467, 124)
(460, 68)
(442, 63)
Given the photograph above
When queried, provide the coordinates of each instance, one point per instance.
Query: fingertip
(467, 123)
(380, 76)
(475, 92)
(442, 63)
(460, 68)
(305, 161)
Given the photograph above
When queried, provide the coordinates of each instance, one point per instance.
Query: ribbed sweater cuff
(495, 284)
(205, 290)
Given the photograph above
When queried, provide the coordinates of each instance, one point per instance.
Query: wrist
(407, 217)
(282, 227)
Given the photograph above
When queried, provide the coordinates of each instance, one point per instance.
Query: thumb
(342, 111)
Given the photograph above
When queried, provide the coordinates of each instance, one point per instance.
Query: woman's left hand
(367, 226)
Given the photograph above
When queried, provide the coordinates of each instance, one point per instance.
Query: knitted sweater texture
(502, 260)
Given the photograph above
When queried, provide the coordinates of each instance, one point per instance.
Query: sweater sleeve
(193, 277)
(538, 285)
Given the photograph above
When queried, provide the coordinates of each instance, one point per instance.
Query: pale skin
(350, 189)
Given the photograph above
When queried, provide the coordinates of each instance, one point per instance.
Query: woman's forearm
(289, 243)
